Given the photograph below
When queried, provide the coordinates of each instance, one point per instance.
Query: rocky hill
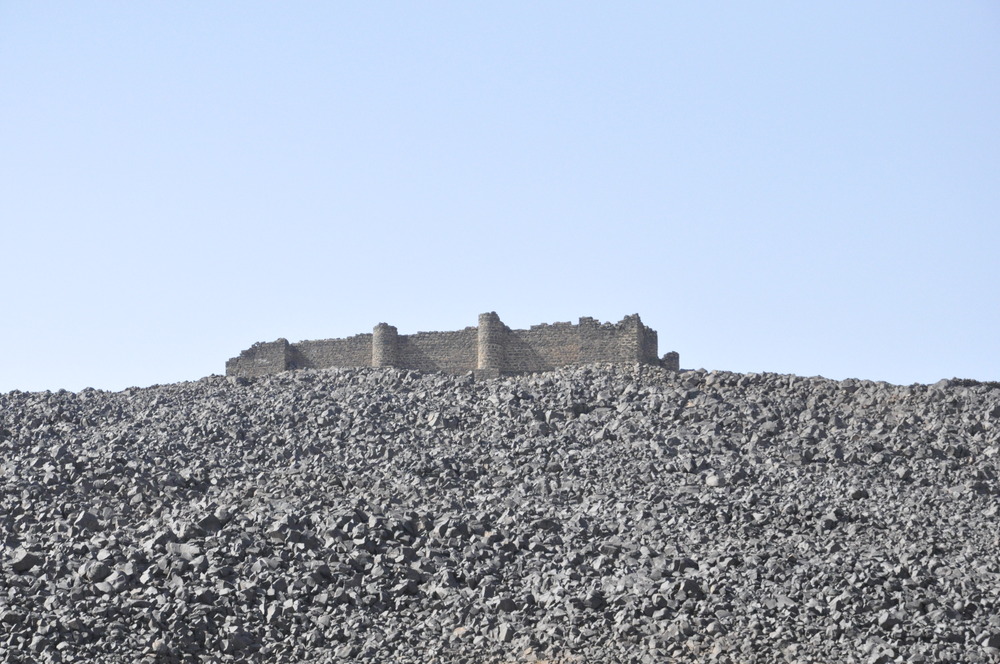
(592, 514)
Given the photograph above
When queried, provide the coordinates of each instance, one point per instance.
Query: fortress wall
(544, 347)
(541, 348)
(261, 359)
(491, 349)
(353, 351)
(453, 352)
(647, 349)
(608, 342)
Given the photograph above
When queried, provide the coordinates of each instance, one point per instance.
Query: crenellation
(489, 349)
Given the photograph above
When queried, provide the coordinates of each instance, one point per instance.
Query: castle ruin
(491, 349)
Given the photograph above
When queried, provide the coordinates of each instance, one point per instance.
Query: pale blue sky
(808, 188)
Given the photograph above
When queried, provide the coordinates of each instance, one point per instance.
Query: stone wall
(261, 359)
(490, 349)
(452, 352)
(353, 351)
(544, 347)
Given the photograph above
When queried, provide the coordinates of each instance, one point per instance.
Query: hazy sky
(808, 188)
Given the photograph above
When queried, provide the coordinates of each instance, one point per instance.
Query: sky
(806, 188)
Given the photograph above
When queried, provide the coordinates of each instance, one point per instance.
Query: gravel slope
(592, 514)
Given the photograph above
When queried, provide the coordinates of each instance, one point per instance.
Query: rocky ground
(592, 514)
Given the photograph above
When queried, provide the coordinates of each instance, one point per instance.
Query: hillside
(592, 514)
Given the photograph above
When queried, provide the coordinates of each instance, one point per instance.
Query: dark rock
(505, 633)
(23, 561)
(87, 521)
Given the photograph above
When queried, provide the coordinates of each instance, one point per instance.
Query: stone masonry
(490, 349)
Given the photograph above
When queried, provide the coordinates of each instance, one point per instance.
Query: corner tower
(385, 346)
(490, 344)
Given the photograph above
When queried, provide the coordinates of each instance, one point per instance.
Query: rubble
(600, 513)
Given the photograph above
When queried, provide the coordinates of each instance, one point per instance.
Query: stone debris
(591, 514)
(23, 561)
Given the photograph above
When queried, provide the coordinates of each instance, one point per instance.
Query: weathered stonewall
(489, 349)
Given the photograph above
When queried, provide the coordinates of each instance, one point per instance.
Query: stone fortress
(491, 349)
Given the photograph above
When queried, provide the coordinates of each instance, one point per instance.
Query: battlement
(489, 349)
